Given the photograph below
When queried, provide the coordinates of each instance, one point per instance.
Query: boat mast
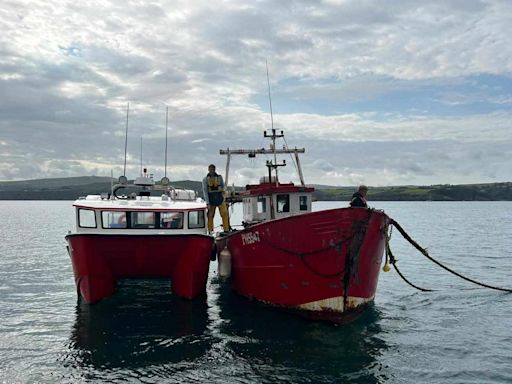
(274, 165)
(262, 151)
(126, 138)
(272, 151)
(269, 164)
(269, 98)
(166, 129)
(141, 155)
(228, 160)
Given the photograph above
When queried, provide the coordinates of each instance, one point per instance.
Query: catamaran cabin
(140, 215)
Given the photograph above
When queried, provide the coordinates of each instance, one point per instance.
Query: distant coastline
(71, 188)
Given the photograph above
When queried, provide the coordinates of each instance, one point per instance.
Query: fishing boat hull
(100, 260)
(324, 265)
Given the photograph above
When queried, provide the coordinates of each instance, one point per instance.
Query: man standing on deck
(359, 197)
(213, 192)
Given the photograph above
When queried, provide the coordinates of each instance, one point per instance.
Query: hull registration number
(250, 238)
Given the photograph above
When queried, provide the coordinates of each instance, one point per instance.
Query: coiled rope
(424, 252)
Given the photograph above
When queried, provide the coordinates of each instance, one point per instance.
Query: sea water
(457, 334)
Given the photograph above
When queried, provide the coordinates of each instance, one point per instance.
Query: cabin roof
(149, 203)
(272, 188)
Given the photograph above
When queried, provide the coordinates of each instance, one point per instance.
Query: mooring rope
(393, 260)
(302, 255)
(332, 245)
(424, 252)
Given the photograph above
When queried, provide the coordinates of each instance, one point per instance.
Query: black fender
(213, 254)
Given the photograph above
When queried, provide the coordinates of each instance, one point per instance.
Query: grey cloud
(68, 70)
(324, 165)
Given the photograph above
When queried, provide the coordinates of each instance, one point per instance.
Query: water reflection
(142, 325)
(145, 332)
(286, 347)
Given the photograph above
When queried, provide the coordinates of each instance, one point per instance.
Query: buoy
(386, 268)
(225, 263)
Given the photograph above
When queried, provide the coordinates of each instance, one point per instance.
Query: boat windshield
(144, 219)
(173, 220)
(113, 219)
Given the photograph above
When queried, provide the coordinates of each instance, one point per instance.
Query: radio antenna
(269, 97)
(166, 129)
(141, 156)
(273, 130)
(126, 138)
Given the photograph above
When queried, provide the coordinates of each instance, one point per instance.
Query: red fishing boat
(140, 235)
(323, 264)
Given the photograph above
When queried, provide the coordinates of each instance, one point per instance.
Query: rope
(424, 252)
(325, 275)
(302, 255)
(352, 257)
(393, 261)
(291, 157)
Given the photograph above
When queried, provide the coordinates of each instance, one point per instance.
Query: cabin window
(303, 203)
(196, 219)
(113, 219)
(283, 203)
(141, 219)
(262, 205)
(171, 220)
(86, 218)
(248, 206)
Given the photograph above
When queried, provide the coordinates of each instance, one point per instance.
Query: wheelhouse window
(283, 203)
(171, 220)
(142, 220)
(113, 219)
(303, 203)
(86, 218)
(262, 205)
(196, 219)
(248, 206)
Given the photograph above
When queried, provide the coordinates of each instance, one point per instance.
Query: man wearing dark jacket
(359, 197)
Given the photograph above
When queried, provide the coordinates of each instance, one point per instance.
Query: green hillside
(67, 188)
(73, 187)
(444, 192)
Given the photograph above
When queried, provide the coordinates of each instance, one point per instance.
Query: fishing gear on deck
(424, 252)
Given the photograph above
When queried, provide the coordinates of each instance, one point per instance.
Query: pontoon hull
(100, 260)
(323, 264)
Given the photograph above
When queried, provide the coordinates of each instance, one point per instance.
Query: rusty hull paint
(335, 304)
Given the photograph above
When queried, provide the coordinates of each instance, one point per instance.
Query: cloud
(377, 92)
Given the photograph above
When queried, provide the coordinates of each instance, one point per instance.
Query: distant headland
(70, 188)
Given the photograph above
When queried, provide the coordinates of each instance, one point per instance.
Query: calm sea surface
(143, 333)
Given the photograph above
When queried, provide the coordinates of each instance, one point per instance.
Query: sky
(377, 92)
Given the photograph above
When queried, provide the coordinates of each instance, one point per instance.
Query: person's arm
(205, 191)
(221, 183)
